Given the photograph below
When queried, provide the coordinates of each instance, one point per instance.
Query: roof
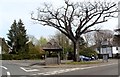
(52, 46)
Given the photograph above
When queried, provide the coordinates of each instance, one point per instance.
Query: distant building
(3, 46)
(107, 47)
(112, 46)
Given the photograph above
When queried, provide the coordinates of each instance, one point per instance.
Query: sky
(11, 10)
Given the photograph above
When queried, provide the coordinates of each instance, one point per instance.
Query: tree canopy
(75, 19)
(43, 41)
(18, 38)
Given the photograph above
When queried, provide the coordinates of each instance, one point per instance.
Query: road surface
(10, 68)
(109, 69)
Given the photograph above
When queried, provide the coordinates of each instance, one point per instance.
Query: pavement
(63, 65)
(41, 63)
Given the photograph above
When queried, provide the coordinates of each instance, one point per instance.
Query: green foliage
(34, 49)
(43, 41)
(35, 52)
(18, 38)
(21, 56)
(83, 62)
(88, 52)
(7, 57)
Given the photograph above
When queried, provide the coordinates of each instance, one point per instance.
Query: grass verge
(83, 62)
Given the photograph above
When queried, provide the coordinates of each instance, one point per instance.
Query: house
(106, 48)
(111, 49)
(4, 48)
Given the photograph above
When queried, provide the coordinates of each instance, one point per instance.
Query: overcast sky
(11, 10)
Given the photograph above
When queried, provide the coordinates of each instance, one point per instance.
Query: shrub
(21, 56)
(88, 52)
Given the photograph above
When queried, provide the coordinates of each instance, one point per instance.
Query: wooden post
(45, 57)
(45, 54)
(58, 58)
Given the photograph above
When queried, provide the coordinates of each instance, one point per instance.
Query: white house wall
(118, 49)
(115, 50)
(110, 52)
(107, 50)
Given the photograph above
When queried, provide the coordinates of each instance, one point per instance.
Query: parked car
(84, 58)
(92, 58)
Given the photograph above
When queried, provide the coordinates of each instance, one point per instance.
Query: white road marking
(29, 70)
(97, 66)
(70, 69)
(4, 67)
(34, 74)
(54, 72)
(8, 73)
(58, 71)
(40, 73)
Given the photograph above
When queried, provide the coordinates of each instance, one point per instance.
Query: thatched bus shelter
(52, 52)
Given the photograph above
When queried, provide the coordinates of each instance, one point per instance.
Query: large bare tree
(75, 19)
(103, 35)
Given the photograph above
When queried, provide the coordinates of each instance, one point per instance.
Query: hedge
(21, 57)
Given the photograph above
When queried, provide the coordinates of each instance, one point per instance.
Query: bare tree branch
(75, 19)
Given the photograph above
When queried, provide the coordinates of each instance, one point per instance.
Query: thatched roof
(52, 46)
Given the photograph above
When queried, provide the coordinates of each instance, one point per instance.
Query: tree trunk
(76, 51)
(74, 59)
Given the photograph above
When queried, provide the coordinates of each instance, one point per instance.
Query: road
(12, 69)
(24, 68)
(110, 69)
(21, 68)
